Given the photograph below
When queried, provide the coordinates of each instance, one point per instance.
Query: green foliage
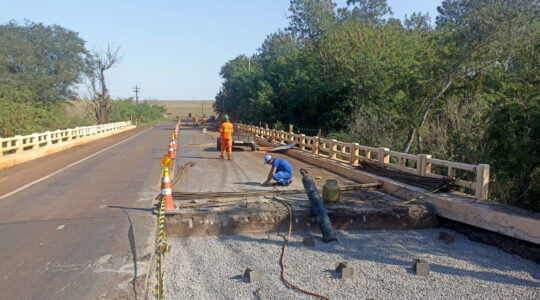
(20, 117)
(39, 68)
(46, 60)
(468, 87)
(127, 109)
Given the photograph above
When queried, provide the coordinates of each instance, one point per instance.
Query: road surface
(86, 232)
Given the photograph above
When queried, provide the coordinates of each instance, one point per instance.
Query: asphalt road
(85, 232)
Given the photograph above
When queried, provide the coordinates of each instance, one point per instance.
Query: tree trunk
(434, 99)
(419, 142)
(409, 140)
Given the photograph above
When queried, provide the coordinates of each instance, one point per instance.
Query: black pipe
(317, 207)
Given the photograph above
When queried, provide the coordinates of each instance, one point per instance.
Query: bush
(127, 109)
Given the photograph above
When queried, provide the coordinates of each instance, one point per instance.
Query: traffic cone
(173, 142)
(172, 154)
(166, 191)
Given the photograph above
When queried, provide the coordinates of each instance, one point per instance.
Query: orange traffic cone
(173, 142)
(166, 191)
(172, 153)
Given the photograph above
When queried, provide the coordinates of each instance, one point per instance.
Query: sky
(173, 50)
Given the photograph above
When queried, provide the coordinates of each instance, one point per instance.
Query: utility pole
(202, 108)
(249, 65)
(136, 90)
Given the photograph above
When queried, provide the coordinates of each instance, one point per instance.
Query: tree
(418, 21)
(471, 36)
(40, 66)
(101, 99)
(311, 18)
(47, 60)
(369, 11)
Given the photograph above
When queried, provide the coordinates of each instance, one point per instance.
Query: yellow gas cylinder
(331, 193)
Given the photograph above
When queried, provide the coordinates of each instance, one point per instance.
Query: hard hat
(226, 117)
(267, 158)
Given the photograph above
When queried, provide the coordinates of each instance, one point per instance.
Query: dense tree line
(126, 109)
(40, 68)
(466, 88)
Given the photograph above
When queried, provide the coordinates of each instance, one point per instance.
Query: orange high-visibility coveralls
(196, 120)
(226, 131)
(204, 120)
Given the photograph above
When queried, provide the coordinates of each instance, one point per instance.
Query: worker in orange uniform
(226, 132)
(204, 120)
(197, 120)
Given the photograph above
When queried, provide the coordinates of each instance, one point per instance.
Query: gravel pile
(210, 267)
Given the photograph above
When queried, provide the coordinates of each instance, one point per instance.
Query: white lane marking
(60, 227)
(64, 168)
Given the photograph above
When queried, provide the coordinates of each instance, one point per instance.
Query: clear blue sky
(172, 49)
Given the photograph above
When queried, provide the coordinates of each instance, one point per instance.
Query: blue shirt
(282, 165)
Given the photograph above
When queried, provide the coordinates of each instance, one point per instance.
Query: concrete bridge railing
(352, 153)
(22, 148)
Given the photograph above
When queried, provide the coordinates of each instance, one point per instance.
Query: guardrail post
(35, 143)
(302, 142)
(384, 158)
(353, 158)
(333, 149)
(482, 181)
(423, 166)
(316, 143)
(451, 172)
(291, 130)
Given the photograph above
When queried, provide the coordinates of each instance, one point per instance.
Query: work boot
(230, 157)
(280, 183)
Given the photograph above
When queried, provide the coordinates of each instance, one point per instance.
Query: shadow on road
(252, 183)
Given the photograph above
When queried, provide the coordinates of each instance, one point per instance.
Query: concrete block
(447, 237)
(252, 276)
(347, 273)
(309, 242)
(421, 267)
(344, 271)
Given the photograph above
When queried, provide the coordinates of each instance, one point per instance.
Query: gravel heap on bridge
(210, 267)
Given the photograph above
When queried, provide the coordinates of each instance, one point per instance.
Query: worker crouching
(281, 171)
(226, 130)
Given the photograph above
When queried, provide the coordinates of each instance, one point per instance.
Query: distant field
(174, 107)
(183, 107)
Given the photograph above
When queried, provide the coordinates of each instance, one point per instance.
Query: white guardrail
(351, 153)
(41, 142)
